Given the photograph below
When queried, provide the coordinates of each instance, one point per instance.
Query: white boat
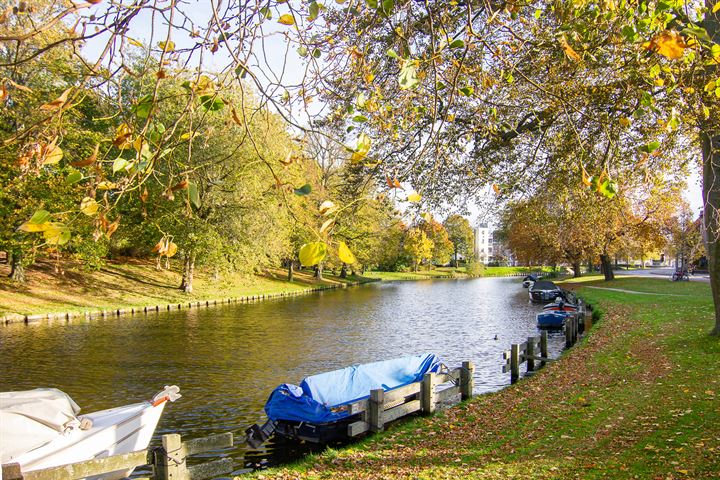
(42, 428)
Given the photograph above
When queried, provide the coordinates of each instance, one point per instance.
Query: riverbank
(460, 272)
(138, 284)
(639, 397)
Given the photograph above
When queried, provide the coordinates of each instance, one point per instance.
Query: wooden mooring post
(526, 352)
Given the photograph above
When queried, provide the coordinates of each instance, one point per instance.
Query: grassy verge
(459, 272)
(123, 285)
(639, 397)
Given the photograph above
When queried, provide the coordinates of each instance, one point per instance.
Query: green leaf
(467, 91)
(119, 164)
(302, 51)
(312, 253)
(408, 78)
(194, 195)
(304, 190)
(241, 71)
(57, 233)
(345, 255)
(40, 216)
(143, 107)
(211, 103)
(372, 3)
(608, 188)
(650, 147)
(74, 177)
(393, 54)
(457, 44)
(314, 11)
(317, 53)
(388, 6)
(360, 118)
(361, 101)
(266, 13)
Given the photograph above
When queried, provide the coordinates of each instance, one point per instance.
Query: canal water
(227, 359)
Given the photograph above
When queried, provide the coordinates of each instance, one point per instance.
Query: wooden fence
(520, 353)
(168, 462)
(384, 407)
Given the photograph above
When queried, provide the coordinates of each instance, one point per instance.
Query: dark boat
(318, 410)
(529, 280)
(544, 291)
(553, 319)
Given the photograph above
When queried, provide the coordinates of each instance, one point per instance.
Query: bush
(474, 268)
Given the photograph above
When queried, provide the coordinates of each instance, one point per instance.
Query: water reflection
(226, 360)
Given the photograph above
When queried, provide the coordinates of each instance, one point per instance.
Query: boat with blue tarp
(318, 410)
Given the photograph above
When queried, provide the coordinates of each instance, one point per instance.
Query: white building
(483, 244)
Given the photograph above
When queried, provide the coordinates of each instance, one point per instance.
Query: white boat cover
(32, 418)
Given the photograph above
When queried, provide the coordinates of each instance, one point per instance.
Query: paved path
(661, 271)
(639, 293)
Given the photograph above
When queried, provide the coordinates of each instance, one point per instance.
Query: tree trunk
(319, 271)
(590, 265)
(711, 220)
(456, 260)
(291, 272)
(576, 269)
(343, 271)
(188, 270)
(607, 268)
(17, 269)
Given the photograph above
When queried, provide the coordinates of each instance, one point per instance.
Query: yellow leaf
(624, 121)
(312, 253)
(53, 155)
(171, 250)
(58, 103)
(287, 19)
(669, 44)
(327, 224)
(427, 217)
(134, 42)
(122, 136)
(414, 197)
(496, 189)
(89, 206)
(585, 177)
(716, 7)
(362, 149)
(31, 227)
(105, 185)
(167, 46)
(56, 233)
(345, 255)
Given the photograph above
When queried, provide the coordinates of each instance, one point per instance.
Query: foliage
(418, 246)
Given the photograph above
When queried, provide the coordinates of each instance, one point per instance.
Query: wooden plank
(448, 377)
(88, 468)
(539, 358)
(171, 460)
(375, 412)
(446, 395)
(529, 354)
(206, 444)
(358, 407)
(514, 362)
(466, 380)
(402, 392)
(401, 411)
(11, 471)
(428, 393)
(357, 428)
(213, 469)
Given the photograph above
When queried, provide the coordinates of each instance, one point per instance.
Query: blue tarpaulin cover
(317, 397)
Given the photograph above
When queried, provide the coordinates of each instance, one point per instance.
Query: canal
(227, 359)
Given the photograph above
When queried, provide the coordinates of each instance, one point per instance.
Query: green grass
(639, 397)
(459, 272)
(123, 285)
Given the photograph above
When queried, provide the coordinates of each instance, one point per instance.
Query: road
(662, 272)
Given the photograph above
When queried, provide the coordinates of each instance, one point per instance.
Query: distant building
(501, 254)
(483, 244)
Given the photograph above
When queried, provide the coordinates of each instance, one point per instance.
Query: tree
(418, 246)
(442, 246)
(461, 235)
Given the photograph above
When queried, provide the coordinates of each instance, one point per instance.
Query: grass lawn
(454, 272)
(639, 397)
(136, 283)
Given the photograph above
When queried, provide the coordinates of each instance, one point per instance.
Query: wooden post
(543, 347)
(568, 333)
(530, 351)
(428, 393)
(170, 461)
(375, 409)
(466, 380)
(514, 362)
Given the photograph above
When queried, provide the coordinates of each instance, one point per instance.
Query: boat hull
(552, 320)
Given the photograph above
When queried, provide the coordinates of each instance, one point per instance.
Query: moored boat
(318, 409)
(42, 428)
(544, 291)
(529, 280)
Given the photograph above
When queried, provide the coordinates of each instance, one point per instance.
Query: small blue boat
(552, 319)
(318, 409)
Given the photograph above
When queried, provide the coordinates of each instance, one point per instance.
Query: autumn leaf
(345, 255)
(393, 183)
(327, 225)
(585, 177)
(58, 103)
(52, 155)
(111, 228)
(89, 206)
(37, 222)
(363, 147)
(183, 184)
(89, 160)
(414, 197)
(286, 19)
(56, 233)
(167, 46)
(312, 253)
(171, 250)
(122, 136)
(327, 207)
(235, 117)
(669, 44)
(572, 54)
(496, 189)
